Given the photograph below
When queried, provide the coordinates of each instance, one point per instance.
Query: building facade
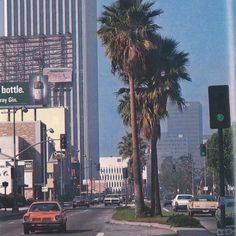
(31, 160)
(189, 124)
(79, 19)
(111, 173)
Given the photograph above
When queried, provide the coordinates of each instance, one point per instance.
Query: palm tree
(125, 150)
(166, 67)
(152, 95)
(126, 27)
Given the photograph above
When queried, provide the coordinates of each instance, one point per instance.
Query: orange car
(44, 215)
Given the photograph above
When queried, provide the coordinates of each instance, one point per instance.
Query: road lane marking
(100, 234)
(12, 222)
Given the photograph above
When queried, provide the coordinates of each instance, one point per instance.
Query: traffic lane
(208, 222)
(82, 221)
(11, 227)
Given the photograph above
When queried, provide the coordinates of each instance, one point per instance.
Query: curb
(157, 225)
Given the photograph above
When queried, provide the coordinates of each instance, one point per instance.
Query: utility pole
(219, 109)
(222, 177)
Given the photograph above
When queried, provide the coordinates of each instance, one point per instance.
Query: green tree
(152, 93)
(213, 154)
(125, 30)
(166, 66)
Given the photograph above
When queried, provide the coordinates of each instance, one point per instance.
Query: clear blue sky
(200, 27)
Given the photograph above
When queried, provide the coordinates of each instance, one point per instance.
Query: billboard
(58, 75)
(38, 90)
(33, 93)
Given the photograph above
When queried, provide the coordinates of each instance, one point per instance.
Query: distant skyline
(201, 28)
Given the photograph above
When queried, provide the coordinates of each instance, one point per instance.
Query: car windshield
(185, 197)
(112, 195)
(204, 198)
(44, 207)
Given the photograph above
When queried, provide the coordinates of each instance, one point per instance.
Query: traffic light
(125, 173)
(219, 106)
(63, 141)
(202, 150)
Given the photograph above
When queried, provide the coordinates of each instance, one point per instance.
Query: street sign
(44, 189)
(205, 188)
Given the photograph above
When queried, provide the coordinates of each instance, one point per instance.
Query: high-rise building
(187, 123)
(184, 133)
(78, 18)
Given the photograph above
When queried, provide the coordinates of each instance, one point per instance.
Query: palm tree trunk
(153, 173)
(157, 192)
(155, 135)
(138, 192)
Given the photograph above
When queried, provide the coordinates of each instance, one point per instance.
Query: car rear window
(230, 204)
(204, 198)
(44, 207)
(184, 197)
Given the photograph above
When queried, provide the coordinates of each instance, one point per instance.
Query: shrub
(183, 221)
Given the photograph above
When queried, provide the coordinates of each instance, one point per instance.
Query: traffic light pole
(222, 178)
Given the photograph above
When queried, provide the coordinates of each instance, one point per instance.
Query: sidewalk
(162, 228)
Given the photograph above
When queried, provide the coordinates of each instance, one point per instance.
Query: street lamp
(24, 109)
(45, 159)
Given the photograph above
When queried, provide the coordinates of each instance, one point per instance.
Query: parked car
(230, 216)
(167, 199)
(44, 215)
(82, 200)
(112, 199)
(180, 201)
(202, 204)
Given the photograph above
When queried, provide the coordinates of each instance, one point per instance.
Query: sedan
(81, 201)
(45, 215)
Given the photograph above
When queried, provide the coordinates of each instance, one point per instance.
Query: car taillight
(58, 217)
(26, 218)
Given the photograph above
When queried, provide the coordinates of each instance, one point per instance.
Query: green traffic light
(220, 117)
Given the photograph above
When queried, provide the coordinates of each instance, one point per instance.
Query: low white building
(111, 172)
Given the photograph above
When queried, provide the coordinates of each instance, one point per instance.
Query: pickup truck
(202, 204)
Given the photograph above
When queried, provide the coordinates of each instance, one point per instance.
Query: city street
(93, 221)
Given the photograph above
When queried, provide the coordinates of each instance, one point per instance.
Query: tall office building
(78, 18)
(184, 133)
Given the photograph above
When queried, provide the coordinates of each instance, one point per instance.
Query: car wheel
(118, 204)
(74, 206)
(26, 230)
(213, 213)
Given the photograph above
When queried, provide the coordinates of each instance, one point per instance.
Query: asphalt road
(93, 221)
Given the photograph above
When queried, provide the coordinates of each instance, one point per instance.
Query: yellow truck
(202, 204)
